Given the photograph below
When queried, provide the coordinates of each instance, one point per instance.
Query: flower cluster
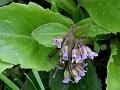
(73, 53)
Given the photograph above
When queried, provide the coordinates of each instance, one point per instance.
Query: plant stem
(8, 82)
(30, 81)
(36, 74)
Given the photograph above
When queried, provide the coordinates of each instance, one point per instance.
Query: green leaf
(87, 27)
(3, 2)
(105, 13)
(56, 83)
(8, 82)
(17, 46)
(45, 33)
(89, 82)
(4, 66)
(54, 7)
(32, 15)
(67, 5)
(113, 79)
(77, 14)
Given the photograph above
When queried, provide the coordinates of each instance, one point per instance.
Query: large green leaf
(105, 13)
(45, 33)
(89, 82)
(113, 79)
(17, 21)
(22, 49)
(32, 15)
(4, 65)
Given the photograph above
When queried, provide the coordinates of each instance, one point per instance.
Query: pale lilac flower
(90, 53)
(65, 52)
(76, 56)
(85, 65)
(83, 52)
(86, 52)
(72, 60)
(79, 59)
(78, 72)
(84, 56)
(66, 80)
(82, 73)
(77, 79)
(58, 42)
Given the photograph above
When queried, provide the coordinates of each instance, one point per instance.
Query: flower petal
(91, 55)
(77, 79)
(66, 80)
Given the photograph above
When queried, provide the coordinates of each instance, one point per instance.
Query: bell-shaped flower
(77, 79)
(67, 78)
(65, 52)
(83, 52)
(76, 56)
(82, 73)
(90, 53)
(58, 42)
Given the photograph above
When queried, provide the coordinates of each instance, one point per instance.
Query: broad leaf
(26, 52)
(45, 33)
(89, 82)
(32, 14)
(113, 79)
(17, 21)
(105, 13)
(4, 66)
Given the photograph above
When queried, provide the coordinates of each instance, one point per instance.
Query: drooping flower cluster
(73, 53)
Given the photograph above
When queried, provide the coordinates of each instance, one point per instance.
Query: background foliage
(26, 32)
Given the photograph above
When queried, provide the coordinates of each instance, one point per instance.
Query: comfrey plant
(73, 54)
